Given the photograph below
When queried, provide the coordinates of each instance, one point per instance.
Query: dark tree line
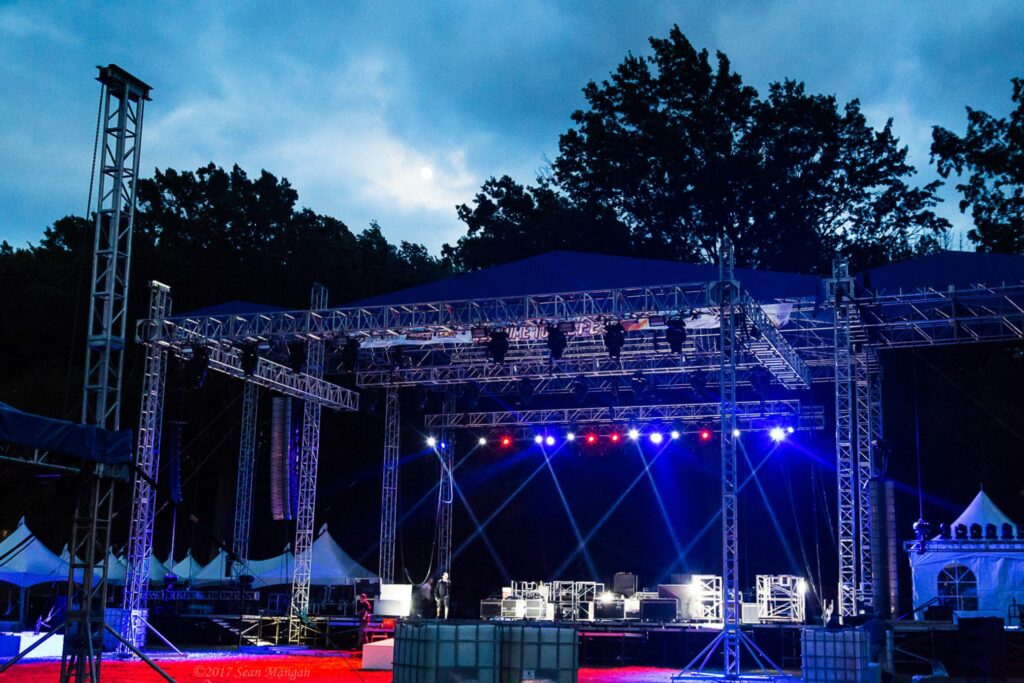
(673, 149)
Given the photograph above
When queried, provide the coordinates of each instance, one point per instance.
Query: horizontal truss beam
(749, 415)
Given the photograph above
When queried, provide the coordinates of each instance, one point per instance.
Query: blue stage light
(549, 440)
(482, 441)
(777, 434)
(538, 439)
(570, 436)
(656, 437)
(633, 434)
(674, 434)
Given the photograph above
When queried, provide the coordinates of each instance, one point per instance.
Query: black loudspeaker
(369, 586)
(658, 609)
(615, 609)
(624, 584)
(490, 609)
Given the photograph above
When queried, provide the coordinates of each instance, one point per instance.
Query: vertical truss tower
(309, 456)
(243, 489)
(123, 100)
(389, 489)
(147, 463)
(446, 493)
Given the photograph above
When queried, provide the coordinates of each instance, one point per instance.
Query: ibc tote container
(538, 653)
(432, 652)
(836, 656)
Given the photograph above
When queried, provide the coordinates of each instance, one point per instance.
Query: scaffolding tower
(389, 488)
(243, 488)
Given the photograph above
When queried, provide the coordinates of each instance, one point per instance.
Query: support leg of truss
(446, 495)
(865, 471)
(246, 466)
(147, 463)
(389, 488)
(308, 460)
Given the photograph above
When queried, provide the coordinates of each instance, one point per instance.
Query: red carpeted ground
(289, 668)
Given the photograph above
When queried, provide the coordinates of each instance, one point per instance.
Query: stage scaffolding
(732, 341)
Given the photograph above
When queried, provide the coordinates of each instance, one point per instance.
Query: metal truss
(147, 464)
(87, 581)
(727, 292)
(276, 377)
(705, 598)
(865, 371)
(389, 486)
(747, 415)
(840, 289)
(444, 316)
(966, 546)
(446, 494)
(123, 101)
(308, 461)
(243, 487)
(771, 348)
(780, 598)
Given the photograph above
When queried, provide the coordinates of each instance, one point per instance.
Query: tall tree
(676, 149)
(992, 154)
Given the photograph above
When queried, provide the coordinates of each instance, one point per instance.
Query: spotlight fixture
(656, 437)
(556, 341)
(633, 434)
(482, 441)
(431, 441)
(614, 338)
(675, 334)
(777, 434)
(506, 441)
(350, 354)
(497, 345)
(538, 439)
(570, 436)
(674, 434)
(736, 433)
(591, 439)
(250, 358)
(614, 437)
(580, 387)
(790, 429)
(549, 440)
(704, 434)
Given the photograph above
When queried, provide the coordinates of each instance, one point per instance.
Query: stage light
(482, 441)
(556, 341)
(736, 433)
(614, 437)
(431, 441)
(538, 439)
(506, 441)
(443, 445)
(607, 597)
(777, 434)
(549, 440)
(790, 430)
(497, 345)
(633, 434)
(591, 439)
(674, 434)
(570, 436)
(580, 387)
(704, 434)
(676, 335)
(656, 437)
(614, 338)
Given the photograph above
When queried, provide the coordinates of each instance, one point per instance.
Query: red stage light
(591, 439)
(614, 437)
(506, 441)
(705, 434)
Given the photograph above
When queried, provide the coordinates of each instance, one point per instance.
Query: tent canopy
(61, 436)
(25, 561)
(983, 511)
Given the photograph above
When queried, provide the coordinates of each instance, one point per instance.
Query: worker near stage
(364, 610)
(441, 591)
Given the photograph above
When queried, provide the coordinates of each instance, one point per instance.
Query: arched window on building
(958, 587)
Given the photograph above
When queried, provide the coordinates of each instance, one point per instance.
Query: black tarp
(68, 438)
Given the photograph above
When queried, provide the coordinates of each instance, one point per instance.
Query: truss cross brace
(389, 488)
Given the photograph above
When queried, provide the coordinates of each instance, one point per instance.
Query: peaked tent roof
(273, 571)
(25, 561)
(331, 564)
(983, 511)
(571, 271)
(213, 571)
(186, 568)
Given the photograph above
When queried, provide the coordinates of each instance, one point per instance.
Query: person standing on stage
(364, 610)
(441, 590)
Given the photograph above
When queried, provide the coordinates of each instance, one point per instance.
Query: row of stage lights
(591, 438)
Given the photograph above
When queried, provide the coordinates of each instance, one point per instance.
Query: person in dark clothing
(441, 591)
(364, 610)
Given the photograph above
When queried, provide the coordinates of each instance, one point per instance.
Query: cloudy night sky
(398, 111)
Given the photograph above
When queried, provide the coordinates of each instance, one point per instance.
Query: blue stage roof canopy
(67, 438)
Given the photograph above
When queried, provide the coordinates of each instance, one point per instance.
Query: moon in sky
(426, 173)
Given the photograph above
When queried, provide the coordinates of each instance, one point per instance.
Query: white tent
(273, 571)
(25, 561)
(332, 565)
(971, 575)
(186, 569)
(213, 572)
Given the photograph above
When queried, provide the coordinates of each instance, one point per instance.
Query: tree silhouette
(992, 154)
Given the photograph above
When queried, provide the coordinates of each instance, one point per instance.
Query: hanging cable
(917, 449)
